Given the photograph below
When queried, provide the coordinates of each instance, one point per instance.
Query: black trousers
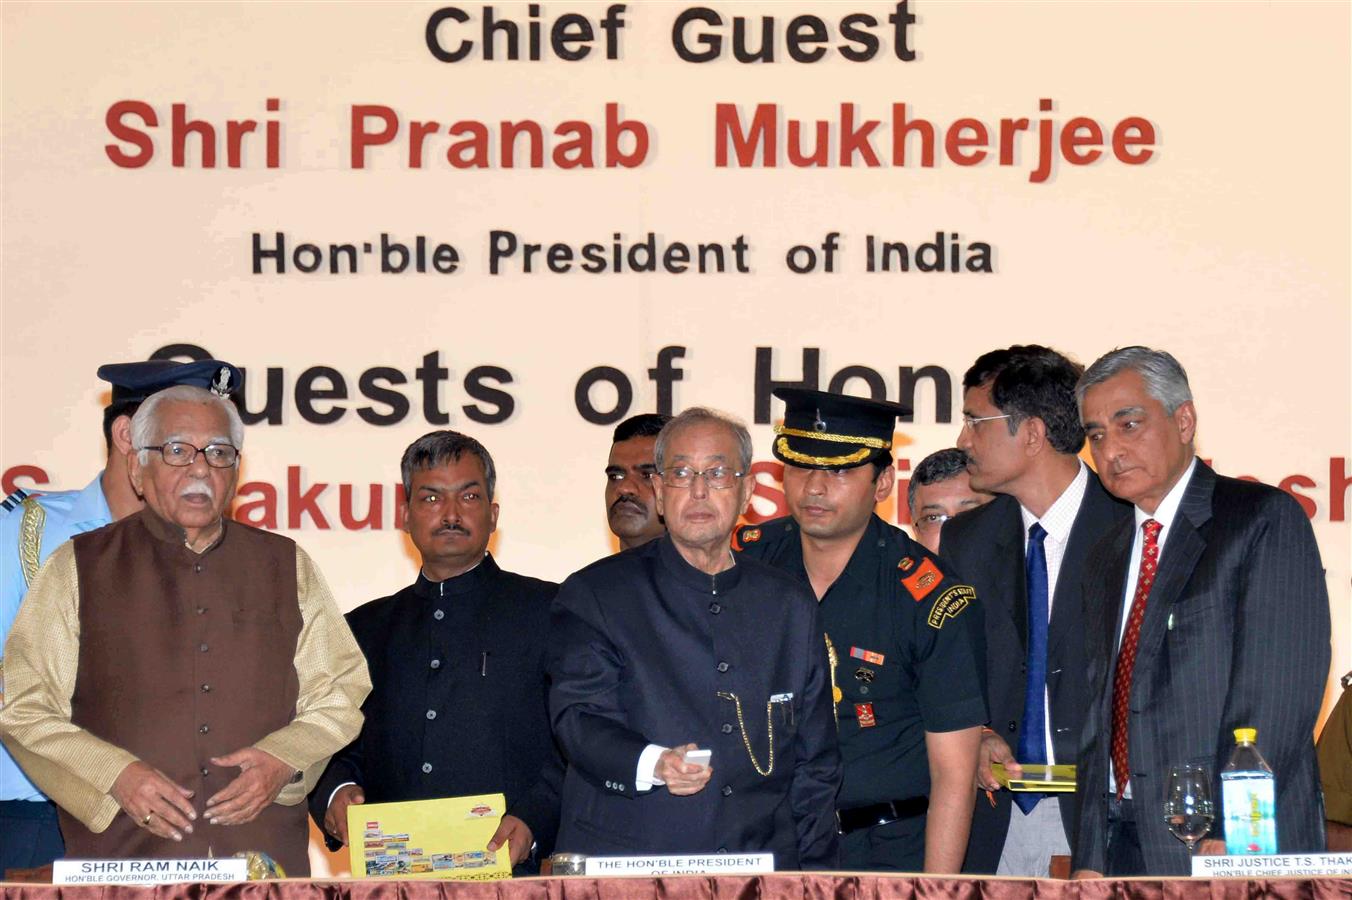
(898, 846)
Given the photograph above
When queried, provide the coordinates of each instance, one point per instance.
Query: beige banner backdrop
(1228, 246)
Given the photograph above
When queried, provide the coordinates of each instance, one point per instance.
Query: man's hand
(516, 834)
(1084, 874)
(153, 801)
(335, 817)
(1211, 847)
(261, 778)
(682, 778)
(993, 749)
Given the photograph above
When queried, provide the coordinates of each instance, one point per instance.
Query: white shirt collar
(1167, 511)
(1060, 516)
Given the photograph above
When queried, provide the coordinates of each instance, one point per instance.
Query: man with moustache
(188, 671)
(1208, 612)
(1025, 553)
(458, 703)
(905, 636)
(939, 489)
(676, 646)
(631, 508)
(33, 525)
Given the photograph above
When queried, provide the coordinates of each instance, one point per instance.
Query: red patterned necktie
(1126, 654)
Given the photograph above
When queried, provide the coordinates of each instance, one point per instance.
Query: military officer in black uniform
(904, 635)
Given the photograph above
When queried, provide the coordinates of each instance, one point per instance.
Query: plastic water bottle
(1249, 795)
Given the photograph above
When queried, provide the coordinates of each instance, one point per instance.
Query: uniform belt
(858, 817)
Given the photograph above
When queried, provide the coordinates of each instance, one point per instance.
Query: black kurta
(458, 700)
(643, 643)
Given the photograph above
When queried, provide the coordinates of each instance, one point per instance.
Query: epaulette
(30, 538)
(748, 535)
(919, 575)
(14, 500)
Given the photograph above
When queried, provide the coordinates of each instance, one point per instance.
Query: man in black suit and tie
(1024, 553)
(1207, 612)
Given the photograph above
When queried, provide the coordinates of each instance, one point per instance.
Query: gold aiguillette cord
(836, 693)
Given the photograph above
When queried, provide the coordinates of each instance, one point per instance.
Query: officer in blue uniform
(32, 525)
(904, 637)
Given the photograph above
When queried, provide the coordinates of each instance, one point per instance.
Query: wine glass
(1188, 809)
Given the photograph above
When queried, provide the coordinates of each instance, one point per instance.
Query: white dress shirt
(1057, 521)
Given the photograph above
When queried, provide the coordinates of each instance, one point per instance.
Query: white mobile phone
(698, 758)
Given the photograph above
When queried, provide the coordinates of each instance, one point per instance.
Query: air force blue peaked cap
(135, 381)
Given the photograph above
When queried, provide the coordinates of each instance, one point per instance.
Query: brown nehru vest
(184, 657)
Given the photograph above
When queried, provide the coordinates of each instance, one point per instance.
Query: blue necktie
(1032, 731)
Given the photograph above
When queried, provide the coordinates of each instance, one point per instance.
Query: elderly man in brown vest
(184, 669)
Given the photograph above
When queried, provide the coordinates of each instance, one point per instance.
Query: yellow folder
(428, 839)
(1038, 778)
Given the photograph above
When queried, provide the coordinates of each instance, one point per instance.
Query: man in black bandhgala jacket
(676, 646)
(458, 705)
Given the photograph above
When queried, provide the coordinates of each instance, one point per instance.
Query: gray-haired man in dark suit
(1207, 612)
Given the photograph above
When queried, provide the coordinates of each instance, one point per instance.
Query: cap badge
(819, 424)
(221, 385)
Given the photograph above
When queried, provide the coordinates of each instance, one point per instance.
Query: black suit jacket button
(727, 728)
(715, 608)
(1013, 726)
(722, 667)
(727, 790)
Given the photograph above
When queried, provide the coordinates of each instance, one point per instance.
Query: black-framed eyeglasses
(181, 453)
(720, 478)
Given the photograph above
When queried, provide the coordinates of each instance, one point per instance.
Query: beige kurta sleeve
(70, 765)
(333, 684)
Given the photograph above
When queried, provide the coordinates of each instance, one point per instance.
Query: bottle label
(1250, 815)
